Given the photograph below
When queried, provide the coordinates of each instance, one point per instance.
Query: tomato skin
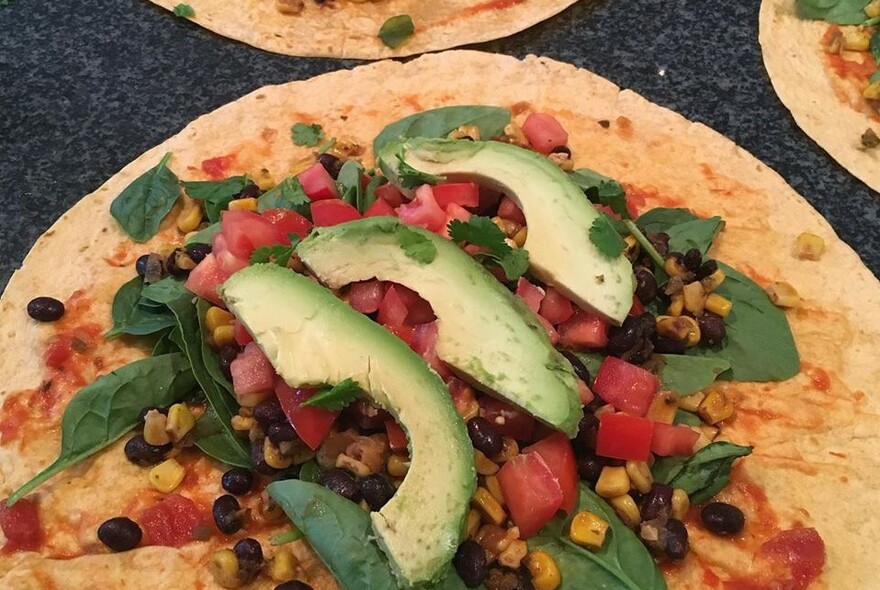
(366, 296)
(423, 210)
(226, 260)
(584, 330)
(242, 336)
(311, 424)
(333, 212)
(508, 419)
(21, 526)
(318, 184)
(668, 440)
(557, 453)
(544, 132)
(392, 309)
(622, 436)
(803, 550)
(637, 307)
(533, 295)
(204, 279)
(464, 194)
(245, 231)
(424, 342)
(380, 208)
(555, 307)
(419, 311)
(288, 222)
(507, 209)
(172, 522)
(404, 332)
(396, 436)
(551, 331)
(454, 212)
(390, 194)
(531, 492)
(252, 373)
(625, 386)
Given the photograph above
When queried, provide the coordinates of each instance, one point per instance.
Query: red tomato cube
(311, 424)
(544, 132)
(366, 296)
(533, 295)
(555, 307)
(464, 194)
(669, 440)
(289, 222)
(242, 336)
(333, 212)
(318, 184)
(172, 521)
(396, 436)
(626, 437)
(380, 208)
(252, 373)
(531, 492)
(423, 210)
(584, 330)
(557, 453)
(204, 279)
(390, 194)
(392, 309)
(507, 209)
(245, 231)
(625, 386)
(419, 311)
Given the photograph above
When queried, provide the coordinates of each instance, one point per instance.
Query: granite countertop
(86, 87)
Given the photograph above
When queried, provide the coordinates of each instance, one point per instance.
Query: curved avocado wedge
(311, 337)
(558, 214)
(483, 330)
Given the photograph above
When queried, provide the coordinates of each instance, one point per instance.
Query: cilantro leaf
(336, 398)
(409, 177)
(601, 189)
(287, 194)
(514, 264)
(217, 194)
(396, 30)
(415, 245)
(481, 231)
(305, 134)
(606, 239)
(184, 11)
(277, 253)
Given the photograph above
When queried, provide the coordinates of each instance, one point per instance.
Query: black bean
(376, 490)
(269, 411)
(140, 265)
(120, 533)
(341, 482)
(279, 432)
(712, 329)
(657, 502)
(249, 191)
(367, 416)
(293, 585)
(238, 481)
(154, 268)
(45, 309)
(227, 514)
(590, 467)
(585, 441)
(140, 452)
(561, 149)
(331, 164)
(470, 563)
(722, 518)
(485, 436)
(198, 252)
(664, 345)
(227, 355)
(640, 354)
(676, 540)
(693, 258)
(660, 241)
(250, 559)
(707, 268)
(258, 457)
(580, 369)
(646, 285)
(523, 580)
(624, 337)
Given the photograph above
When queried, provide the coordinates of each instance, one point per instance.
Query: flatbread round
(815, 436)
(819, 101)
(349, 29)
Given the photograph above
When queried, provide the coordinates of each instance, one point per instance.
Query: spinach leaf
(702, 475)
(166, 290)
(213, 440)
(370, 193)
(166, 344)
(130, 317)
(349, 182)
(623, 562)
(685, 417)
(843, 12)
(687, 375)
(875, 49)
(287, 194)
(142, 205)
(685, 229)
(396, 30)
(100, 413)
(215, 193)
(601, 189)
(210, 356)
(440, 122)
(206, 235)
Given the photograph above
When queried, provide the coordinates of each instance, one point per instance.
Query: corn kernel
(782, 294)
(613, 482)
(302, 164)
(508, 227)
(264, 180)
(716, 407)
(488, 506)
(712, 282)
(216, 317)
(473, 523)
(588, 530)
(398, 465)
(494, 486)
(520, 237)
(484, 465)
(273, 456)
(464, 131)
(493, 539)
(544, 571)
(179, 422)
(512, 556)
(718, 305)
(514, 134)
(639, 476)
(282, 567)
(809, 246)
(223, 335)
(692, 402)
(694, 298)
(190, 217)
(246, 204)
(873, 9)
(562, 160)
(346, 147)
(472, 410)
(681, 328)
(508, 451)
(663, 407)
(224, 568)
(626, 509)
(360, 469)
(681, 503)
(674, 268)
(242, 423)
(631, 250)
(856, 39)
(167, 475)
(872, 91)
(676, 305)
(154, 428)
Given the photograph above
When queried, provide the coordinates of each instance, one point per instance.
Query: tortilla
(349, 29)
(829, 110)
(815, 435)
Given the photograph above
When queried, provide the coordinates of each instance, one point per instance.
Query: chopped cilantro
(601, 190)
(409, 177)
(605, 238)
(336, 398)
(415, 245)
(481, 231)
(305, 134)
(277, 253)
(184, 11)
(396, 30)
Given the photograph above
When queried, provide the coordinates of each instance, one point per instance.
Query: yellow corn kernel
(513, 133)
(712, 282)
(190, 217)
(484, 465)
(302, 164)
(216, 317)
(716, 407)
(782, 294)
(512, 556)
(242, 423)
(613, 482)
(873, 9)
(631, 250)
(508, 451)
(673, 267)
(626, 509)
(718, 305)
(520, 237)
(488, 506)
(681, 328)
(639, 475)
(223, 335)
(676, 305)
(224, 568)
(464, 131)
(809, 246)
(398, 465)
(663, 407)
(694, 298)
(681, 503)
(351, 464)
(492, 484)
(246, 204)
(856, 39)
(282, 567)
(588, 530)
(508, 227)
(473, 523)
(872, 91)
(154, 429)
(472, 410)
(264, 180)
(167, 475)
(692, 402)
(544, 571)
(179, 422)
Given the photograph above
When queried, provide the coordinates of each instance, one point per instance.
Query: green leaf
(184, 11)
(843, 12)
(168, 289)
(396, 30)
(702, 475)
(685, 229)
(409, 177)
(351, 190)
(415, 245)
(623, 562)
(606, 238)
(213, 440)
(204, 236)
(601, 190)
(336, 398)
(310, 471)
(305, 134)
(102, 412)
(130, 317)
(143, 204)
(687, 375)
(440, 122)
(287, 194)
(875, 77)
(481, 231)
(217, 194)
(685, 417)
(591, 360)
(286, 537)
(875, 49)
(276, 253)
(370, 193)
(166, 344)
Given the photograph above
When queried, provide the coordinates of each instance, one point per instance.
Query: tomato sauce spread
(218, 168)
(638, 197)
(859, 71)
(21, 526)
(174, 521)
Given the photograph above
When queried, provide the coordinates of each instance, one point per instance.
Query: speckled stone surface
(88, 85)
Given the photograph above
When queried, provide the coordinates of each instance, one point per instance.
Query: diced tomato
(242, 336)
(625, 386)
(669, 440)
(245, 231)
(173, 521)
(462, 394)
(333, 212)
(380, 208)
(390, 194)
(454, 211)
(507, 209)
(622, 436)
(802, 550)
(533, 295)
(366, 296)
(311, 424)
(204, 279)
(419, 311)
(637, 307)
(423, 210)
(584, 330)
(289, 222)
(227, 261)
(218, 168)
(551, 331)
(531, 492)
(464, 194)
(252, 374)
(318, 184)
(392, 309)
(556, 307)
(544, 132)
(403, 332)
(557, 453)
(396, 436)
(635, 200)
(424, 342)
(58, 351)
(507, 418)
(21, 526)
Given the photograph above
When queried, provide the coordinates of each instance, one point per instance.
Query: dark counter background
(88, 85)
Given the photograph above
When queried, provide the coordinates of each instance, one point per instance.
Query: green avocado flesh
(558, 215)
(311, 338)
(484, 331)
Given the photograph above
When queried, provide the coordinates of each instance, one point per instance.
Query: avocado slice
(484, 331)
(559, 216)
(311, 337)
